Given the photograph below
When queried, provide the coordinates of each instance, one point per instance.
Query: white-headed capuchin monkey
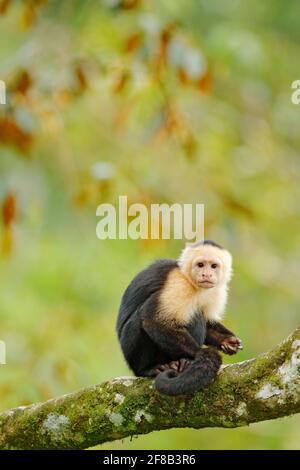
(173, 308)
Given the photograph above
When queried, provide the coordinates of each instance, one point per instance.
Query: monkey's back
(147, 282)
(134, 341)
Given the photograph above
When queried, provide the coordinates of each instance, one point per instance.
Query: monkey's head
(206, 264)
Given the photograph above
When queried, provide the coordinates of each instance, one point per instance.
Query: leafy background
(186, 101)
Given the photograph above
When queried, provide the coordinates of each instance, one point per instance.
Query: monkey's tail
(198, 375)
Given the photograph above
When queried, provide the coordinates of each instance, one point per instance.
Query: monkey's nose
(206, 277)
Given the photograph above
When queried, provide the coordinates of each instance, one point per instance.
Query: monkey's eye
(214, 265)
(200, 265)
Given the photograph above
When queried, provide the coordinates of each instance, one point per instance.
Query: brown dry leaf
(175, 124)
(23, 82)
(161, 59)
(83, 197)
(190, 145)
(81, 77)
(9, 209)
(205, 83)
(4, 5)
(237, 206)
(173, 120)
(9, 212)
(168, 126)
(12, 134)
(30, 13)
(183, 76)
(130, 4)
(165, 38)
(121, 81)
(133, 42)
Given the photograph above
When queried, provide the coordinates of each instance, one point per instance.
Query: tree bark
(264, 388)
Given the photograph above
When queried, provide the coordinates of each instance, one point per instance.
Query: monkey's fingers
(229, 349)
(183, 364)
(231, 345)
(162, 367)
(238, 344)
(223, 347)
(175, 365)
(236, 341)
(233, 340)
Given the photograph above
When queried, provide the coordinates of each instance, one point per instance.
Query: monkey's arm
(174, 339)
(222, 338)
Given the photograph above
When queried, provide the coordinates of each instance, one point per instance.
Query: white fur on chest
(180, 301)
(211, 302)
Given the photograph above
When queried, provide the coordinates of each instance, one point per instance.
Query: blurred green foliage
(164, 101)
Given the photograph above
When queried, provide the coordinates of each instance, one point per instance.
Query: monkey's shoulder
(151, 279)
(146, 283)
(178, 299)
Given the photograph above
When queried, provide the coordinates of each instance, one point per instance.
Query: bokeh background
(163, 101)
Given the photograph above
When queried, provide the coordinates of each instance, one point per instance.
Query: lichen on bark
(267, 387)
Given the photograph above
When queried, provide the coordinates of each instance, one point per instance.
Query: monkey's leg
(201, 372)
(222, 338)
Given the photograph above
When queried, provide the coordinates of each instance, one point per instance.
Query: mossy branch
(264, 388)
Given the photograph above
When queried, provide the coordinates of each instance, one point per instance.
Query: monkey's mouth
(207, 284)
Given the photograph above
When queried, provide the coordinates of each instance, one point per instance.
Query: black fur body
(148, 342)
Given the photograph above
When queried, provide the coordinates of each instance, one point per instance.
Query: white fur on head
(191, 251)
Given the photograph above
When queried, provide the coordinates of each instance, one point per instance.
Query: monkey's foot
(182, 364)
(231, 345)
(179, 366)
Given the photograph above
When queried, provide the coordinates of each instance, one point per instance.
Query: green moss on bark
(265, 388)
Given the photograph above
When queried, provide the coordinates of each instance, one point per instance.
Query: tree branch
(264, 388)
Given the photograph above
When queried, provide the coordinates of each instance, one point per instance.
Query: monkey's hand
(231, 345)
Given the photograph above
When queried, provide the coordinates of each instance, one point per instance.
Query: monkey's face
(207, 271)
(206, 266)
